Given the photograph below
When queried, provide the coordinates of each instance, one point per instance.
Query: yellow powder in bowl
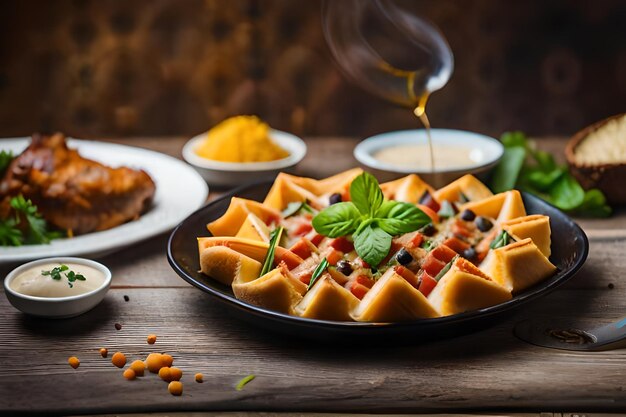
(241, 139)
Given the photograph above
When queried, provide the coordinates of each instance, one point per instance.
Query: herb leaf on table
(528, 169)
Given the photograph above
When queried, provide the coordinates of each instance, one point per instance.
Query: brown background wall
(160, 67)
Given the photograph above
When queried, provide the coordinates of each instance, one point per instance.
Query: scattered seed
(118, 326)
(154, 362)
(104, 352)
(126, 298)
(74, 362)
(129, 374)
(198, 378)
(611, 286)
(138, 366)
(118, 359)
(176, 373)
(175, 388)
(165, 374)
(168, 360)
(151, 339)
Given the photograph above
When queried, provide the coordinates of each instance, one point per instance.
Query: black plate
(569, 252)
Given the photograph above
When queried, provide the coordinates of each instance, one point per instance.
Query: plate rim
(490, 311)
(108, 246)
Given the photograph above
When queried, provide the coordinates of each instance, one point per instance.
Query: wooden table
(488, 371)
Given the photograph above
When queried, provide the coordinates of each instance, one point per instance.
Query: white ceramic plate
(179, 192)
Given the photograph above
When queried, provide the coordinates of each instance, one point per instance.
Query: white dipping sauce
(418, 156)
(32, 282)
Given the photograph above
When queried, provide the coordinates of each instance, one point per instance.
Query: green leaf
(5, 160)
(243, 382)
(403, 218)
(542, 180)
(372, 244)
(508, 169)
(501, 240)
(567, 194)
(545, 160)
(269, 257)
(593, 205)
(366, 194)
(318, 272)
(445, 269)
(511, 139)
(340, 219)
(10, 235)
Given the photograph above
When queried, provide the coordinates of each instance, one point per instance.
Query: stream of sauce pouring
(420, 112)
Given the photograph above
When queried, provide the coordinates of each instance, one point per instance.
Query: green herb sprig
(6, 157)
(501, 240)
(56, 274)
(526, 168)
(275, 236)
(244, 381)
(26, 227)
(318, 272)
(370, 219)
(297, 207)
(446, 268)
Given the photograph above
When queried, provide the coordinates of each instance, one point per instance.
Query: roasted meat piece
(73, 193)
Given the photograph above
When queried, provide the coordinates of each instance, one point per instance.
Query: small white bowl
(57, 307)
(237, 173)
(486, 150)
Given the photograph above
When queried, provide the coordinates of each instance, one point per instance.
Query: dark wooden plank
(488, 370)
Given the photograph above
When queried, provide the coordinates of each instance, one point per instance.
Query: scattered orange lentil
(129, 374)
(176, 373)
(118, 359)
(199, 378)
(138, 367)
(154, 362)
(151, 339)
(168, 360)
(74, 362)
(175, 388)
(104, 352)
(165, 374)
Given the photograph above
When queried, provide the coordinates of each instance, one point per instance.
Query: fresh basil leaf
(508, 169)
(593, 205)
(385, 208)
(372, 244)
(403, 218)
(544, 160)
(366, 194)
(268, 263)
(567, 194)
(340, 219)
(511, 139)
(542, 180)
(318, 272)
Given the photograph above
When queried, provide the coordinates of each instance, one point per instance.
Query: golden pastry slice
(512, 208)
(502, 207)
(408, 189)
(254, 228)
(236, 214)
(225, 264)
(273, 291)
(327, 300)
(534, 226)
(254, 249)
(393, 299)
(465, 288)
(469, 185)
(517, 266)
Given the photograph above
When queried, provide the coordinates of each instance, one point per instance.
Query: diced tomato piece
(416, 241)
(271, 219)
(429, 201)
(407, 274)
(358, 290)
(345, 194)
(288, 257)
(427, 283)
(302, 229)
(306, 278)
(303, 248)
(315, 238)
(365, 280)
(461, 229)
(443, 253)
(342, 244)
(334, 256)
(432, 265)
(429, 212)
(456, 244)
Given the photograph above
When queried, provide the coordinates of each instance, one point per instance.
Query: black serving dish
(569, 252)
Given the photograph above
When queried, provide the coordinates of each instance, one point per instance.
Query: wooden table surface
(488, 371)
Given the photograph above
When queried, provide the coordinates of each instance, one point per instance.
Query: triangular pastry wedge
(465, 288)
(408, 189)
(534, 226)
(254, 228)
(327, 300)
(469, 185)
(285, 191)
(225, 264)
(254, 249)
(502, 207)
(518, 265)
(236, 214)
(273, 291)
(393, 299)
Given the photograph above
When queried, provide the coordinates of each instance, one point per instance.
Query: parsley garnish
(5, 160)
(55, 273)
(370, 219)
(27, 227)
